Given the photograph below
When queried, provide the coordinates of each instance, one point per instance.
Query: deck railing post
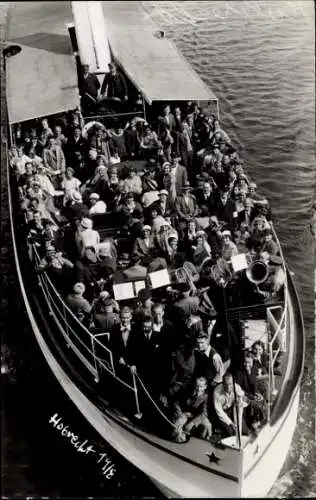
(138, 413)
(96, 378)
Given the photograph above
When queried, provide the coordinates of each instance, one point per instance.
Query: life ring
(88, 126)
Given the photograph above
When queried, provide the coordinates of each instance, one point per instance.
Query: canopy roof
(154, 65)
(42, 78)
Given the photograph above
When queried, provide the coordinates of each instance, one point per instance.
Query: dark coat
(247, 382)
(115, 85)
(119, 349)
(226, 212)
(90, 85)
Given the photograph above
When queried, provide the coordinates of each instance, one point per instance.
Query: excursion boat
(50, 41)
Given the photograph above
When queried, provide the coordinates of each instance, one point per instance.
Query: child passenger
(191, 413)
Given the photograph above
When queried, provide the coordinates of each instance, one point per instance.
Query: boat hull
(173, 476)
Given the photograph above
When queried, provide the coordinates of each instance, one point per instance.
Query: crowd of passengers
(185, 201)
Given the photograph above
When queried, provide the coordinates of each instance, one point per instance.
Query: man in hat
(97, 206)
(178, 175)
(114, 84)
(80, 306)
(163, 204)
(186, 207)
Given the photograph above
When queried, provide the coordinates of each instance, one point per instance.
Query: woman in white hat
(97, 206)
(86, 236)
(201, 250)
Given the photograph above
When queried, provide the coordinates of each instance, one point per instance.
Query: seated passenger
(75, 208)
(229, 248)
(269, 244)
(156, 220)
(80, 306)
(227, 406)
(164, 205)
(134, 182)
(104, 316)
(191, 413)
(149, 143)
(144, 245)
(261, 367)
(97, 206)
(201, 251)
(45, 184)
(69, 184)
(241, 238)
(205, 197)
(256, 407)
(136, 271)
(58, 267)
(246, 214)
(26, 178)
(150, 188)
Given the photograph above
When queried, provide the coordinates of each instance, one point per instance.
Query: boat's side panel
(260, 478)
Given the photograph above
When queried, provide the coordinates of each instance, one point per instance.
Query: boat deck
(154, 64)
(45, 67)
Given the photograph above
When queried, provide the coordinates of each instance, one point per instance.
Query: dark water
(258, 58)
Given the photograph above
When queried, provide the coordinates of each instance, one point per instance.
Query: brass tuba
(257, 272)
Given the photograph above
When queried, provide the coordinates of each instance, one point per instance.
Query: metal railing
(86, 345)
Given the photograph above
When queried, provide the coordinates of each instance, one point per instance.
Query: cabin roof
(154, 65)
(42, 78)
